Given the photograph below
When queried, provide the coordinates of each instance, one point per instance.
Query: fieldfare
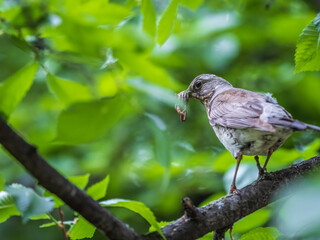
(245, 122)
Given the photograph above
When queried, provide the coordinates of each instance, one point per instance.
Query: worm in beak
(182, 110)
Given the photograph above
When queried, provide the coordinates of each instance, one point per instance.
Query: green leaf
(254, 220)
(307, 56)
(269, 233)
(2, 182)
(193, 4)
(14, 88)
(80, 181)
(84, 122)
(82, 229)
(28, 202)
(137, 207)
(142, 66)
(68, 91)
(223, 162)
(149, 17)
(40, 217)
(167, 22)
(45, 225)
(7, 207)
(50, 224)
(161, 140)
(99, 189)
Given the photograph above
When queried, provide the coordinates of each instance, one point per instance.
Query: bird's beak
(184, 95)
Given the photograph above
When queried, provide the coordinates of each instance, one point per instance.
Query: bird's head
(206, 86)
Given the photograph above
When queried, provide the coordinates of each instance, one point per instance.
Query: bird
(245, 122)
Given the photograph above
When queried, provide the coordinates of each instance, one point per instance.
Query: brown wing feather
(238, 108)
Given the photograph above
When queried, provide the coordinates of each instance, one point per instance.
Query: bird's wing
(238, 108)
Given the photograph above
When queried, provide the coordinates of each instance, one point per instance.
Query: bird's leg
(267, 160)
(233, 185)
(261, 172)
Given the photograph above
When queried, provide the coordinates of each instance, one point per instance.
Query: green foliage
(28, 202)
(254, 220)
(86, 121)
(61, 88)
(92, 85)
(307, 55)
(149, 17)
(193, 4)
(99, 189)
(167, 22)
(80, 181)
(82, 229)
(13, 89)
(262, 234)
(7, 207)
(297, 216)
(2, 181)
(137, 207)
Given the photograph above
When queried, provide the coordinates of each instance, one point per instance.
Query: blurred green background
(102, 99)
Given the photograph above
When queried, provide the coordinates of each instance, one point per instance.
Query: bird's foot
(234, 189)
(262, 172)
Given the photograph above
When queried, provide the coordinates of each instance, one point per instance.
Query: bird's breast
(249, 141)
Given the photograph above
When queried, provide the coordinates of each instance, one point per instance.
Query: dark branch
(196, 222)
(221, 214)
(53, 181)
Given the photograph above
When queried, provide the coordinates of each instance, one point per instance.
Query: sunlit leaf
(68, 91)
(28, 202)
(7, 207)
(45, 225)
(251, 221)
(137, 207)
(167, 22)
(82, 229)
(307, 55)
(98, 12)
(161, 225)
(268, 233)
(142, 66)
(80, 181)
(149, 17)
(14, 88)
(2, 182)
(84, 122)
(223, 161)
(193, 4)
(40, 217)
(99, 189)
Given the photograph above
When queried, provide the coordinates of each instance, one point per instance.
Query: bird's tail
(295, 125)
(313, 127)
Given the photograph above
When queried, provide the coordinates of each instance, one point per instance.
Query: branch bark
(196, 222)
(53, 181)
(221, 214)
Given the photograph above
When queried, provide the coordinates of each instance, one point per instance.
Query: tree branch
(196, 222)
(221, 214)
(53, 181)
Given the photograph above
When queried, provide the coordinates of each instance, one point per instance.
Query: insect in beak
(184, 98)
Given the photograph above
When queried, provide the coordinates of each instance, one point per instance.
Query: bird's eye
(198, 85)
